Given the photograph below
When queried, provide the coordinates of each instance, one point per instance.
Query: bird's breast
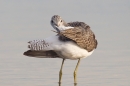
(70, 50)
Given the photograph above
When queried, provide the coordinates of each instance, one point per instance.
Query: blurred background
(25, 20)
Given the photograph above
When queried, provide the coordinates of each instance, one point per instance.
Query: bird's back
(81, 34)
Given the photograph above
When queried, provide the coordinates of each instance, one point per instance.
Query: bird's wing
(83, 38)
(45, 44)
(39, 45)
(41, 54)
(78, 24)
(43, 48)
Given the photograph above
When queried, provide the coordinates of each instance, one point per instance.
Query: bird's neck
(65, 24)
(64, 27)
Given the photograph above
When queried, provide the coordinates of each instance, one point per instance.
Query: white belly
(70, 50)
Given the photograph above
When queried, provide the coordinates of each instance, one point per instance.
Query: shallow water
(25, 20)
(93, 71)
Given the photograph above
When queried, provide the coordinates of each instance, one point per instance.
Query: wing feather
(78, 24)
(83, 38)
(41, 54)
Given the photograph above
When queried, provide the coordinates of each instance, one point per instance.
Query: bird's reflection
(75, 84)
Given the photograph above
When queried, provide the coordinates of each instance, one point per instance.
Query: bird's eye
(61, 20)
(51, 21)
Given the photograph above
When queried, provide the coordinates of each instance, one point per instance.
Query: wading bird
(74, 40)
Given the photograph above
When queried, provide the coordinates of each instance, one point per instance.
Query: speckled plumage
(84, 39)
(80, 33)
(74, 40)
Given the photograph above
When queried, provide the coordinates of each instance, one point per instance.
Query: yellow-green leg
(60, 73)
(75, 72)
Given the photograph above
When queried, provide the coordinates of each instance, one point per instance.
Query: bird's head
(57, 21)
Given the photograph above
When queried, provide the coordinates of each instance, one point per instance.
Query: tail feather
(41, 54)
(39, 45)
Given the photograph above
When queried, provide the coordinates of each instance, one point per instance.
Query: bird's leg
(60, 73)
(75, 72)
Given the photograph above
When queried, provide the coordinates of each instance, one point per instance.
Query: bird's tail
(41, 54)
